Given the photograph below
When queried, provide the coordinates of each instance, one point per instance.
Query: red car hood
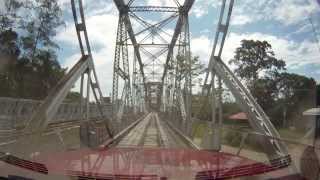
(140, 163)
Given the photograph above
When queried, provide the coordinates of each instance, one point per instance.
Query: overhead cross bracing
(158, 35)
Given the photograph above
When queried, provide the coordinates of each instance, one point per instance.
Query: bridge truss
(160, 81)
(161, 60)
(164, 83)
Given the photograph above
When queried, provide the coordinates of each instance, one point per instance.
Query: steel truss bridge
(151, 95)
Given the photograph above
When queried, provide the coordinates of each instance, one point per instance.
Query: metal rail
(121, 134)
(183, 136)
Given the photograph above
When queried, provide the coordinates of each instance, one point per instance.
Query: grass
(290, 134)
(199, 129)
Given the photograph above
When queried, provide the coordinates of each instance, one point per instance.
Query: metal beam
(153, 9)
(49, 107)
(44, 114)
(123, 8)
(183, 10)
(259, 121)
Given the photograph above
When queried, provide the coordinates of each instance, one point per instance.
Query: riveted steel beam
(123, 11)
(184, 9)
(153, 9)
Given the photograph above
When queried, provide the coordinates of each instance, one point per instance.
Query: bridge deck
(151, 150)
(152, 132)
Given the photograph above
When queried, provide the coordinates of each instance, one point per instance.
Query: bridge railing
(16, 112)
(302, 154)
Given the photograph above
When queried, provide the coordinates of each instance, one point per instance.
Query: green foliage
(265, 89)
(9, 15)
(293, 87)
(197, 68)
(255, 57)
(274, 89)
(198, 129)
(41, 29)
(9, 43)
(232, 138)
(73, 97)
(27, 30)
(230, 108)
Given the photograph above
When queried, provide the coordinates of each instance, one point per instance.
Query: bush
(232, 138)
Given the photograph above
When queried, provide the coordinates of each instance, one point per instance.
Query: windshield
(159, 89)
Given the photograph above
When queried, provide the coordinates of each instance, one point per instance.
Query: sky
(285, 24)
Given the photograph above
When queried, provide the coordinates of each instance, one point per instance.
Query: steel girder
(121, 59)
(123, 11)
(127, 11)
(137, 89)
(178, 86)
(182, 75)
(257, 117)
(183, 11)
(85, 66)
(177, 94)
(153, 9)
(179, 98)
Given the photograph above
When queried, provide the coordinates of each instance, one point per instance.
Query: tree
(282, 95)
(294, 88)
(257, 65)
(9, 52)
(296, 94)
(41, 29)
(9, 44)
(254, 58)
(197, 68)
(265, 91)
(28, 43)
(73, 97)
(8, 16)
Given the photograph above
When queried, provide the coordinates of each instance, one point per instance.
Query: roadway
(152, 132)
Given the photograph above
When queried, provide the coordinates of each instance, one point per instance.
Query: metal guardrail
(303, 154)
(122, 133)
(16, 112)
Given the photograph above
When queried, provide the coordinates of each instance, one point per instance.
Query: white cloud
(162, 2)
(2, 7)
(294, 11)
(102, 27)
(67, 34)
(202, 7)
(284, 11)
(199, 12)
(295, 54)
(241, 20)
(102, 35)
(292, 52)
(201, 46)
(288, 50)
(63, 3)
